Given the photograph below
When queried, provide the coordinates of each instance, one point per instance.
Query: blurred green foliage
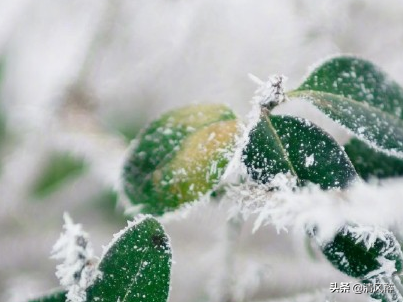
(59, 168)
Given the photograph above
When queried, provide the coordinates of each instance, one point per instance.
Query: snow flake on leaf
(309, 160)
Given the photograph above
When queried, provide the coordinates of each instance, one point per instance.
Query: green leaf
(349, 252)
(54, 297)
(359, 96)
(282, 144)
(371, 163)
(136, 267)
(59, 168)
(179, 157)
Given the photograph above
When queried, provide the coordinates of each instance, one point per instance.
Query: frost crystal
(292, 207)
(254, 198)
(368, 236)
(79, 267)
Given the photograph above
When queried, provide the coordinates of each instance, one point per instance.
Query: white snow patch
(309, 160)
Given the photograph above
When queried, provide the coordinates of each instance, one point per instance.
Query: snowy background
(79, 78)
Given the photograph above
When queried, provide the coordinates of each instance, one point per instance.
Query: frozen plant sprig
(267, 95)
(294, 207)
(79, 267)
(270, 93)
(260, 199)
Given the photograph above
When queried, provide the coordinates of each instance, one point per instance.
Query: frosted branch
(79, 267)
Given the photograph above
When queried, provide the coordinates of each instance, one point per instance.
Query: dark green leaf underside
(370, 163)
(136, 267)
(55, 297)
(361, 97)
(380, 129)
(359, 80)
(282, 144)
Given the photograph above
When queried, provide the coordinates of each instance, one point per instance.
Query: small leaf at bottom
(136, 267)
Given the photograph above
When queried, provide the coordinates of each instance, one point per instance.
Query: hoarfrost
(79, 267)
(388, 268)
(366, 234)
(292, 207)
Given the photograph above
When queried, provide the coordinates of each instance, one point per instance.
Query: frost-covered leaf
(385, 288)
(285, 144)
(364, 253)
(136, 266)
(54, 297)
(59, 168)
(371, 163)
(359, 96)
(179, 157)
(372, 255)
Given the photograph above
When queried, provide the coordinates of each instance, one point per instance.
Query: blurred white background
(78, 79)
